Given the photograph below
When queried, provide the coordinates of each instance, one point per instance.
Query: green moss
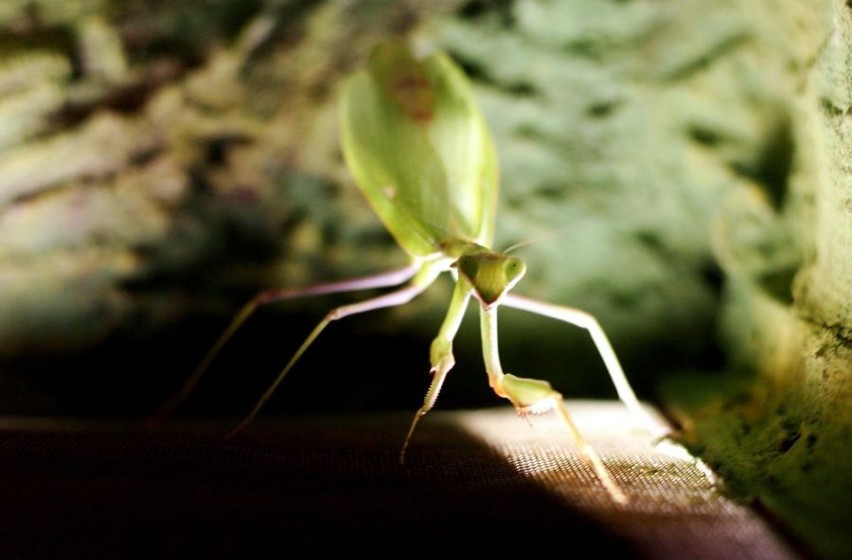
(782, 444)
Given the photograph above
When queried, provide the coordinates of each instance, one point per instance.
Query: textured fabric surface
(473, 482)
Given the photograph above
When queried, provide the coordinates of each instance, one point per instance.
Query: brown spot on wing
(414, 93)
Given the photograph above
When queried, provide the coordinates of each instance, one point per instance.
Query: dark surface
(109, 495)
(320, 485)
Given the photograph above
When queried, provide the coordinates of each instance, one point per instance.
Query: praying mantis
(417, 145)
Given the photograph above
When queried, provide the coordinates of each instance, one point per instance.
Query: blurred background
(680, 168)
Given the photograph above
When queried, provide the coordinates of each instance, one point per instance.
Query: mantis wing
(419, 149)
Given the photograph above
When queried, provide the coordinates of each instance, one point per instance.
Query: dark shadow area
(292, 487)
(356, 365)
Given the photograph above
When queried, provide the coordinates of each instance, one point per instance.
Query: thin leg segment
(613, 366)
(383, 280)
(398, 297)
(441, 355)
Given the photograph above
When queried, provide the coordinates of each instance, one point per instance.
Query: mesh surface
(473, 482)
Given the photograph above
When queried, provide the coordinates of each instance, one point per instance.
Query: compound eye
(514, 269)
(468, 266)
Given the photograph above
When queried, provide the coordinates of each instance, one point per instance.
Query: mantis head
(490, 274)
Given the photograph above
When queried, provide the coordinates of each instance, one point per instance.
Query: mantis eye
(513, 269)
(468, 266)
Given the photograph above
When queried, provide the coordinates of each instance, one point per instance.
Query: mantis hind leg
(392, 299)
(387, 279)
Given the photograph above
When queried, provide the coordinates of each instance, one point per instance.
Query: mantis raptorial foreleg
(441, 355)
(613, 366)
(383, 280)
(534, 395)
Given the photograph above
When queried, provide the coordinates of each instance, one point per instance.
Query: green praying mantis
(419, 149)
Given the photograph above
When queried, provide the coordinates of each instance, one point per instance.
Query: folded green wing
(419, 149)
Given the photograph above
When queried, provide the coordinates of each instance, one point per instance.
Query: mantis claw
(531, 396)
(534, 396)
(528, 396)
(441, 356)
